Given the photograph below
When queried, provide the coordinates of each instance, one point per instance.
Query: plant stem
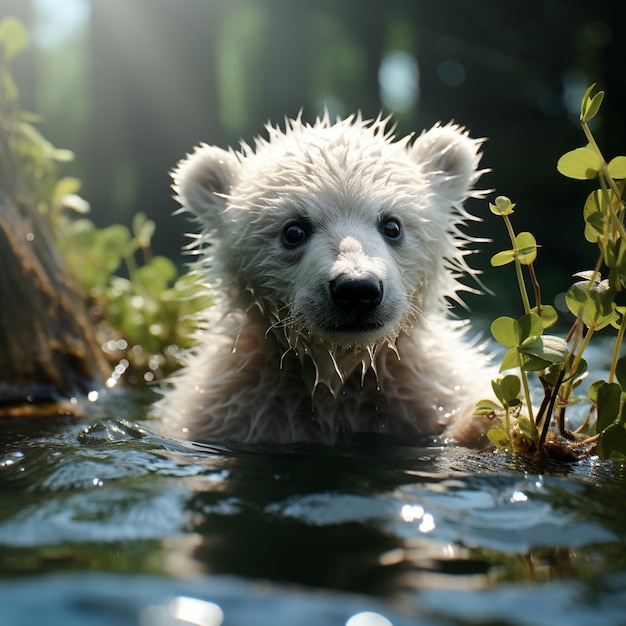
(550, 408)
(583, 346)
(616, 348)
(617, 225)
(536, 287)
(529, 402)
(567, 387)
(518, 266)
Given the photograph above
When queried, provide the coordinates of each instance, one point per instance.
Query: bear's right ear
(203, 180)
(449, 159)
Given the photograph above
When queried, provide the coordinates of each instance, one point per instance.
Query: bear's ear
(449, 159)
(203, 180)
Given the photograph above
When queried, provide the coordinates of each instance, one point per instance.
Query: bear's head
(336, 232)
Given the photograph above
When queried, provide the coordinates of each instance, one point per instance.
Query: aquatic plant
(559, 363)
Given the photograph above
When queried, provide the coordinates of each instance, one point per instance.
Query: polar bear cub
(333, 251)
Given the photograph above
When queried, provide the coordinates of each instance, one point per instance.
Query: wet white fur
(268, 367)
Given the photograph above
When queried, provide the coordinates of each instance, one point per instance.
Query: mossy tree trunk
(48, 350)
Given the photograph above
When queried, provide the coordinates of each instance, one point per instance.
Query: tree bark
(48, 350)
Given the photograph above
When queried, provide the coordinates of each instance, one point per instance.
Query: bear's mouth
(354, 328)
(355, 332)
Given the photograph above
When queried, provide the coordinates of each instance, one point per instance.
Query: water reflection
(197, 612)
(367, 618)
(415, 513)
(183, 610)
(372, 519)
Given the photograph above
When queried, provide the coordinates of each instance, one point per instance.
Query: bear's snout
(357, 295)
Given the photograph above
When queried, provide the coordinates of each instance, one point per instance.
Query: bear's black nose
(356, 295)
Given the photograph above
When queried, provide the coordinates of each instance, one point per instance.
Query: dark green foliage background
(145, 80)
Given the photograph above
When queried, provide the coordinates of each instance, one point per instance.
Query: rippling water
(103, 522)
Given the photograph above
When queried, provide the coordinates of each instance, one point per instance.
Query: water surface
(103, 521)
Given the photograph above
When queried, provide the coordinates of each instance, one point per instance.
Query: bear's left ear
(203, 180)
(449, 159)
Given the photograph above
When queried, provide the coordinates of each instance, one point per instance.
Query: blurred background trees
(132, 85)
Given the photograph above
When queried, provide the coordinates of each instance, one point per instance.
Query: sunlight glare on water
(183, 610)
(368, 618)
(415, 513)
(197, 612)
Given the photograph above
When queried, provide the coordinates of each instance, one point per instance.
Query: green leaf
(526, 248)
(499, 437)
(507, 390)
(502, 206)
(13, 37)
(617, 167)
(525, 426)
(595, 215)
(581, 164)
(511, 387)
(115, 239)
(143, 229)
(586, 96)
(62, 155)
(551, 376)
(502, 258)
(154, 277)
(620, 311)
(595, 227)
(592, 392)
(606, 310)
(164, 267)
(531, 327)
(612, 443)
(507, 332)
(66, 186)
(487, 407)
(548, 316)
(595, 203)
(497, 389)
(549, 348)
(579, 375)
(615, 260)
(510, 360)
(609, 396)
(535, 364)
(595, 305)
(620, 371)
(591, 106)
(9, 88)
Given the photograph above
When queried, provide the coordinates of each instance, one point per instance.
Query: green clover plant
(558, 362)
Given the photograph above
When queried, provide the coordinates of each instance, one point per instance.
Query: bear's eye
(391, 229)
(294, 235)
